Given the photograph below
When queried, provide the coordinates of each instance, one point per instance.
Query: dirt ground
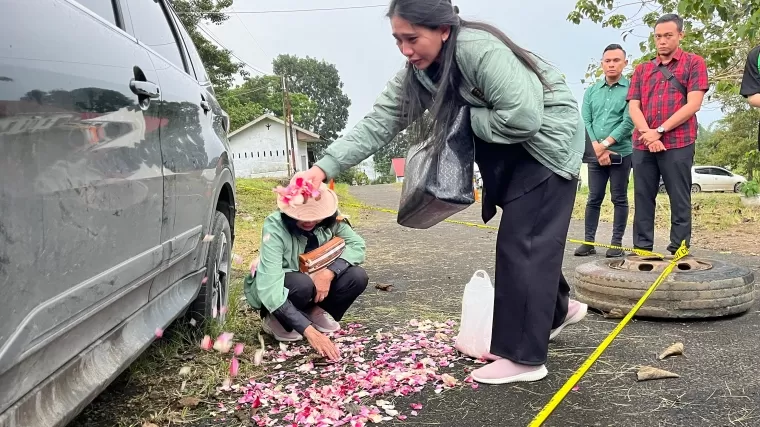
(429, 268)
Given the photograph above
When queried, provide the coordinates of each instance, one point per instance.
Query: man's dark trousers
(675, 167)
(618, 178)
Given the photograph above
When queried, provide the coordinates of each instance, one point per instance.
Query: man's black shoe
(615, 253)
(585, 250)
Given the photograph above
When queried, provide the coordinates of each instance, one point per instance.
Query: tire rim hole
(684, 266)
(646, 267)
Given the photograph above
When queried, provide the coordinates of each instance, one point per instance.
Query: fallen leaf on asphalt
(615, 313)
(674, 350)
(188, 402)
(384, 287)
(646, 373)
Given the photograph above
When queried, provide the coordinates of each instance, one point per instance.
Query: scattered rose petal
(223, 310)
(205, 279)
(239, 349)
(576, 388)
(258, 357)
(254, 265)
(223, 343)
(208, 238)
(448, 380)
(237, 259)
(234, 367)
(206, 343)
(185, 371)
(193, 322)
(213, 312)
(159, 332)
(416, 406)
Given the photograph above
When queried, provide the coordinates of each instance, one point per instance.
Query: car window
(701, 171)
(720, 172)
(153, 29)
(195, 58)
(102, 8)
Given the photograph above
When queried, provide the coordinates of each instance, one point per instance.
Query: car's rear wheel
(738, 187)
(213, 297)
(695, 188)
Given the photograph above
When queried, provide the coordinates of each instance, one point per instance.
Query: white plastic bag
(474, 338)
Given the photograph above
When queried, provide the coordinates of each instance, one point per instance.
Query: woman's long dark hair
(434, 14)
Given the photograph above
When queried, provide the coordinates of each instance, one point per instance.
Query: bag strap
(671, 78)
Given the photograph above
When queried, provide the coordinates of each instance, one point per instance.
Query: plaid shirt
(660, 99)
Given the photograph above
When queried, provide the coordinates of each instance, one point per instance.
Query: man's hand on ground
(321, 343)
(657, 146)
(322, 280)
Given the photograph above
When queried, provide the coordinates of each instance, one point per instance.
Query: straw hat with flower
(301, 201)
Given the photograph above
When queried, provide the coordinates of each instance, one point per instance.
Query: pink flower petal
(205, 279)
(208, 238)
(206, 343)
(576, 388)
(239, 348)
(234, 367)
(223, 310)
(159, 332)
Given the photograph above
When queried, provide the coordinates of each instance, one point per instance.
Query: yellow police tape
(570, 383)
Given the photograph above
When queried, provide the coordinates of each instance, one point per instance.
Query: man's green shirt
(605, 113)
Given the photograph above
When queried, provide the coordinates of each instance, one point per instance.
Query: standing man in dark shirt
(609, 126)
(664, 97)
(750, 88)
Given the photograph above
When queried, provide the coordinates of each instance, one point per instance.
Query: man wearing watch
(664, 97)
(608, 126)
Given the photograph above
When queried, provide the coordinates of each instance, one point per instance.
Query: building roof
(397, 165)
(302, 134)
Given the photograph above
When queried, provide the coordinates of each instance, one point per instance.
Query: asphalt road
(719, 385)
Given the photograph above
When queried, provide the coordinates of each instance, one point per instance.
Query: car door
(704, 179)
(189, 163)
(724, 180)
(81, 184)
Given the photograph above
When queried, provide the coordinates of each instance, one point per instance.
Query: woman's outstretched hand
(315, 176)
(321, 343)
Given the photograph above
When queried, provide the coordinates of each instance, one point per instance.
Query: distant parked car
(712, 178)
(115, 166)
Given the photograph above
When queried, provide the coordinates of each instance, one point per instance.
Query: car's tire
(725, 289)
(213, 298)
(662, 189)
(695, 188)
(738, 187)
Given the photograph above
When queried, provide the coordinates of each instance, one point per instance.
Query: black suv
(116, 174)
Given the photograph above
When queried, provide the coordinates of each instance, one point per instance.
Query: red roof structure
(397, 166)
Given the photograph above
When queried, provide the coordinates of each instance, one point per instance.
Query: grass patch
(152, 389)
(713, 212)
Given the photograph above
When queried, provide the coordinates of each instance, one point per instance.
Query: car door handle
(144, 88)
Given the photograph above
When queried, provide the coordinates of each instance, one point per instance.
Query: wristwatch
(660, 130)
(606, 143)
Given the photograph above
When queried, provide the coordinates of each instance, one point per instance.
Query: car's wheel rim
(219, 296)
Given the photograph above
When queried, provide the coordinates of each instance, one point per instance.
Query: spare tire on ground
(696, 288)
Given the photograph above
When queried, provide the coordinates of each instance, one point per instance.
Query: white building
(259, 148)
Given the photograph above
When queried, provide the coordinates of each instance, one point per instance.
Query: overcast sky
(360, 44)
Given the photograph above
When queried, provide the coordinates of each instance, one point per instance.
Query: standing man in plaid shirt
(663, 100)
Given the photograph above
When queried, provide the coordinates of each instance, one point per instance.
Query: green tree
(721, 31)
(320, 81)
(218, 62)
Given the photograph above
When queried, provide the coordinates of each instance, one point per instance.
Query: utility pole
(289, 114)
(285, 114)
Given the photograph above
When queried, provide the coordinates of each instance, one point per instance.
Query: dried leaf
(258, 356)
(674, 350)
(384, 287)
(188, 402)
(615, 313)
(646, 373)
(185, 371)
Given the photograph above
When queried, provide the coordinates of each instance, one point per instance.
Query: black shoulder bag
(671, 79)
